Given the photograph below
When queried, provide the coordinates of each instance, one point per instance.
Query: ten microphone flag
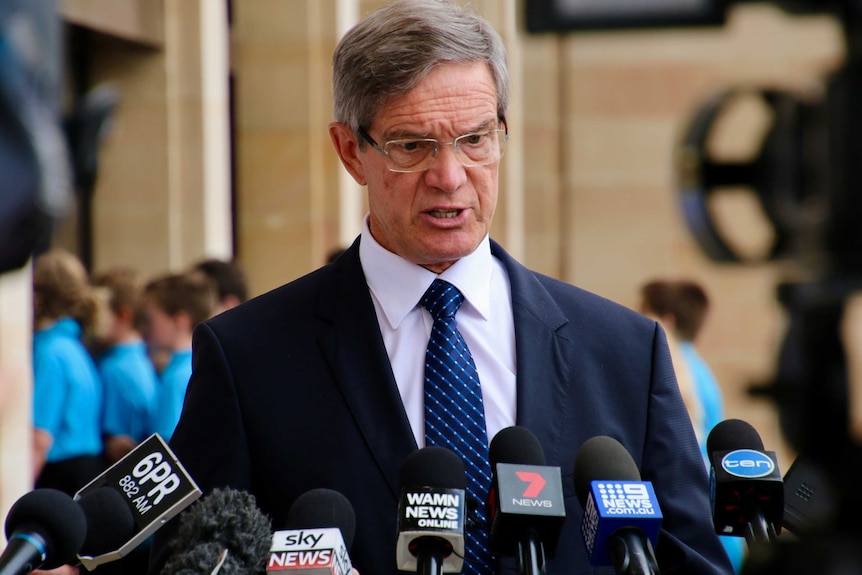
(746, 487)
(745, 483)
(155, 486)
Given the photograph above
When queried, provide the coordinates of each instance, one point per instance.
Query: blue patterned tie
(455, 416)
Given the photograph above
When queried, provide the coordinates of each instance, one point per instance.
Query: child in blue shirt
(128, 375)
(174, 304)
(67, 390)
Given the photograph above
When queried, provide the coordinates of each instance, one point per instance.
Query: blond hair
(61, 288)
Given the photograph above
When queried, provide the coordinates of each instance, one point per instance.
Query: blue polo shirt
(67, 391)
(172, 392)
(131, 385)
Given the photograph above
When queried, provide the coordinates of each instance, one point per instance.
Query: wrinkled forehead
(452, 99)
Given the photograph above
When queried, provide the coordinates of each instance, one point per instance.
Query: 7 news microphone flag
(527, 504)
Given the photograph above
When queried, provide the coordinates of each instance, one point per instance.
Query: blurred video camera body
(35, 178)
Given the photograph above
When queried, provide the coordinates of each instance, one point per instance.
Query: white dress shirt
(485, 321)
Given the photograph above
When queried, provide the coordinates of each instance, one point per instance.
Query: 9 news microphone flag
(622, 518)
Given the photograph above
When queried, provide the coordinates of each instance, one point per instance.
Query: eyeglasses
(419, 154)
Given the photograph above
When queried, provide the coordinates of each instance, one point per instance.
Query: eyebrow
(408, 135)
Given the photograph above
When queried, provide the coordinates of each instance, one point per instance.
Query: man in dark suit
(320, 383)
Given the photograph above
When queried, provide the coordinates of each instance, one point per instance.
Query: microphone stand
(531, 555)
(429, 564)
(632, 553)
(759, 530)
(430, 552)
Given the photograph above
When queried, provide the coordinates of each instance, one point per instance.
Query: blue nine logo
(747, 463)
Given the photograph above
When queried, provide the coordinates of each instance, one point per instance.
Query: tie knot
(442, 299)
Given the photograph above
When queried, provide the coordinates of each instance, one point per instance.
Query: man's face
(435, 217)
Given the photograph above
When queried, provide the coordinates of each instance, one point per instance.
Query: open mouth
(444, 213)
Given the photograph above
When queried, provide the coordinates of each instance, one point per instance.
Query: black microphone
(224, 530)
(319, 531)
(109, 521)
(745, 483)
(431, 512)
(622, 518)
(45, 528)
(154, 487)
(526, 500)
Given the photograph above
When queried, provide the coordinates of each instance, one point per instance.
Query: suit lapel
(542, 368)
(352, 344)
(354, 349)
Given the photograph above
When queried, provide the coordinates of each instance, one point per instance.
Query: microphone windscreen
(602, 458)
(56, 517)
(202, 560)
(110, 522)
(321, 509)
(433, 466)
(231, 520)
(517, 445)
(733, 434)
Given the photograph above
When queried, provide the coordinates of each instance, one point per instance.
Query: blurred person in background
(229, 280)
(129, 377)
(67, 390)
(174, 304)
(681, 307)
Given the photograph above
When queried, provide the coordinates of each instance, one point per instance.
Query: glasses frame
(367, 137)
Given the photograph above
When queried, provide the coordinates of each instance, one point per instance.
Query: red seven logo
(535, 480)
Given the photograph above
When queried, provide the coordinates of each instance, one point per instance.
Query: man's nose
(447, 172)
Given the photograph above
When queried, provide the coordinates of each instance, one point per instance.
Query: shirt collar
(398, 285)
(64, 326)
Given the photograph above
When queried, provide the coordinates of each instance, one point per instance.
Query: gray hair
(394, 48)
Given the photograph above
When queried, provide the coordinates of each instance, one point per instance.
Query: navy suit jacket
(293, 391)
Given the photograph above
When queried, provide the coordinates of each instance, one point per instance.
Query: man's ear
(347, 147)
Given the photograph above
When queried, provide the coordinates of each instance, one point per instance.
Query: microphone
(45, 528)
(526, 499)
(431, 512)
(621, 513)
(224, 531)
(320, 528)
(746, 488)
(109, 521)
(153, 486)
